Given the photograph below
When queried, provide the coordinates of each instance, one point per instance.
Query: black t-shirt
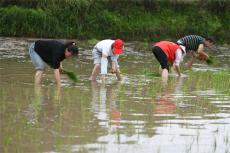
(51, 51)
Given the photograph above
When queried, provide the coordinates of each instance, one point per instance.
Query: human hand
(202, 56)
(113, 71)
(61, 71)
(189, 64)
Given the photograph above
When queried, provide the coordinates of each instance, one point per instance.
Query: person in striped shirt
(195, 45)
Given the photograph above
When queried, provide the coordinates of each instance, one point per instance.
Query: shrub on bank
(131, 20)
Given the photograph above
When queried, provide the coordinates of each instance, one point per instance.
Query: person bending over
(104, 51)
(51, 52)
(165, 52)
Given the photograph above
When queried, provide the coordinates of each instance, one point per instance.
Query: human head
(118, 46)
(71, 49)
(209, 42)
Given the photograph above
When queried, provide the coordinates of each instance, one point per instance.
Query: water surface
(138, 115)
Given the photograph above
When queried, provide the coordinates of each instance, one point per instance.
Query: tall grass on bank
(17, 21)
(131, 20)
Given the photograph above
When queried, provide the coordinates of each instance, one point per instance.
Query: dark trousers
(161, 57)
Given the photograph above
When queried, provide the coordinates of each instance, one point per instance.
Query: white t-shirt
(105, 47)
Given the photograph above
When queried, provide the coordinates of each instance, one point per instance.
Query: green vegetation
(71, 75)
(215, 80)
(149, 73)
(210, 60)
(131, 20)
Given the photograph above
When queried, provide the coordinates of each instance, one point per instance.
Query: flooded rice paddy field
(138, 115)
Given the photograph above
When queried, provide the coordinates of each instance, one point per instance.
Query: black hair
(210, 39)
(72, 47)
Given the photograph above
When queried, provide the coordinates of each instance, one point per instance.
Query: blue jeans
(36, 59)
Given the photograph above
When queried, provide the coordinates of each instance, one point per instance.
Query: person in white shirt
(102, 52)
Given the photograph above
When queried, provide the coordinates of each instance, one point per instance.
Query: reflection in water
(190, 114)
(165, 100)
(35, 106)
(165, 104)
(104, 101)
(39, 99)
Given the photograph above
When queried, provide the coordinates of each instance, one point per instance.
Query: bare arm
(200, 48)
(57, 76)
(177, 67)
(200, 51)
(115, 68)
(61, 68)
(193, 56)
(118, 74)
(177, 61)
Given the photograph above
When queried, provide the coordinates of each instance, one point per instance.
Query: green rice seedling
(150, 74)
(210, 60)
(71, 75)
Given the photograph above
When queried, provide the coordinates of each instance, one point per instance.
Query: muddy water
(138, 115)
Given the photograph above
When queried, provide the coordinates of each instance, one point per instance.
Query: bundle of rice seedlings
(71, 75)
(210, 61)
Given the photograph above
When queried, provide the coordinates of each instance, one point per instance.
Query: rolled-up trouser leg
(38, 63)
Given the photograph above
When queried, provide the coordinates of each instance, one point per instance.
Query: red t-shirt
(169, 48)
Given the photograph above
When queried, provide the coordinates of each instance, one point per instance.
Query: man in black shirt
(51, 52)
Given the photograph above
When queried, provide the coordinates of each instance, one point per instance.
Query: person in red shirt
(165, 52)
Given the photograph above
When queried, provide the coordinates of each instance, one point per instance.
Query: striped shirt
(191, 42)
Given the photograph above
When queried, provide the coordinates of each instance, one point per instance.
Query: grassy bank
(131, 20)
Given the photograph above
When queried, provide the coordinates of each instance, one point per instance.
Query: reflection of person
(165, 102)
(99, 100)
(195, 45)
(166, 51)
(102, 96)
(51, 52)
(101, 52)
(35, 106)
(39, 98)
(112, 94)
